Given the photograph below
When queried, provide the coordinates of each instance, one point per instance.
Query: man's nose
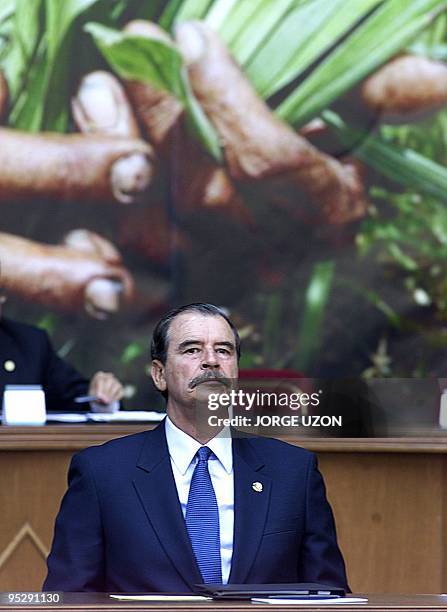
(210, 360)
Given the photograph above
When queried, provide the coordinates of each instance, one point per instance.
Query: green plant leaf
(316, 300)
(139, 58)
(389, 29)
(38, 69)
(402, 165)
(168, 15)
(374, 298)
(219, 14)
(406, 262)
(192, 9)
(25, 31)
(159, 64)
(240, 16)
(24, 113)
(247, 19)
(183, 10)
(60, 17)
(436, 52)
(257, 30)
(62, 24)
(132, 352)
(299, 40)
(7, 8)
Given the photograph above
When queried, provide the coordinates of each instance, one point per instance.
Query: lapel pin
(9, 365)
(257, 486)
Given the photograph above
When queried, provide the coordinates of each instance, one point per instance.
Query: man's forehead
(197, 326)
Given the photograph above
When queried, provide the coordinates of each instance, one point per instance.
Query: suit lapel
(250, 507)
(156, 489)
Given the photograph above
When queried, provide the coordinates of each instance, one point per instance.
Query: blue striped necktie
(202, 520)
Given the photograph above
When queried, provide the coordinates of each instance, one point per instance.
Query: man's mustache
(207, 377)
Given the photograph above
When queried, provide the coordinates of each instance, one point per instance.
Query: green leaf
(27, 26)
(316, 300)
(219, 14)
(199, 123)
(239, 17)
(28, 109)
(132, 352)
(49, 323)
(60, 18)
(402, 165)
(167, 17)
(256, 32)
(300, 39)
(192, 9)
(245, 25)
(39, 66)
(407, 262)
(436, 52)
(136, 57)
(7, 8)
(24, 35)
(375, 299)
(370, 45)
(60, 29)
(159, 64)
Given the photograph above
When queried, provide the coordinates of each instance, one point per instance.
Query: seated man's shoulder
(21, 330)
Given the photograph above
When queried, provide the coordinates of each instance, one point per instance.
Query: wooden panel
(75, 437)
(31, 487)
(389, 500)
(390, 518)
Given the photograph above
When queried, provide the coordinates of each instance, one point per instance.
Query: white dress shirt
(182, 450)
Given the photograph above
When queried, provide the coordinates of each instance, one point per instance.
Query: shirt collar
(182, 448)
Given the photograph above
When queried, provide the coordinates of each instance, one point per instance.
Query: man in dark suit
(177, 506)
(28, 358)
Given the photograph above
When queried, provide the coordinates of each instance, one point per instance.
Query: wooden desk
(83, 602)
(389, 498)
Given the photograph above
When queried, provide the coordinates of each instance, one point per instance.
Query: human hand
(106, 388)
(261, 152)
(85, 271)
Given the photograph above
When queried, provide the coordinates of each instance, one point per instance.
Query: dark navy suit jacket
(121, 529)
(37, 363)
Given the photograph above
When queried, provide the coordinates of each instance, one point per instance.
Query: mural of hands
(219, 147)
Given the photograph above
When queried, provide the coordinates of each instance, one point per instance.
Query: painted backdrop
(283, 159)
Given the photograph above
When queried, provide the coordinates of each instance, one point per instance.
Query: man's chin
(204, 389)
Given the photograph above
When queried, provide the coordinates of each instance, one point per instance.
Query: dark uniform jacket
(28, 358)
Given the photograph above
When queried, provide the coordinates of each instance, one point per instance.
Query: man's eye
(192, 350)
(224, 351)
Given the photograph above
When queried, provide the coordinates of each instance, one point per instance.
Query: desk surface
(102, 602)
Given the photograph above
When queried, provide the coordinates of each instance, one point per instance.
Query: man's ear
(158, 374)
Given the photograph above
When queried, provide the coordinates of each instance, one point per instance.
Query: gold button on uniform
(9, 365)
(257, 486)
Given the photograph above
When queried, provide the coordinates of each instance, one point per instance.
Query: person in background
(27, 357)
